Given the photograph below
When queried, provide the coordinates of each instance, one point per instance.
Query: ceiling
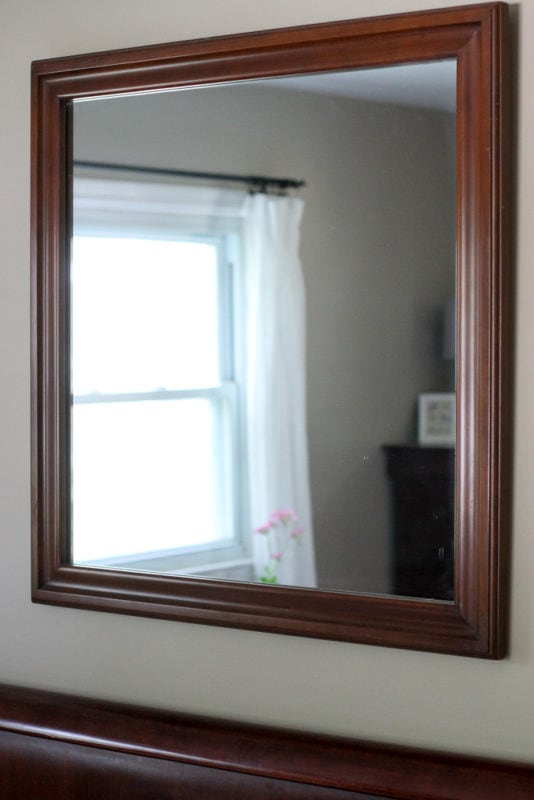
(431, 84)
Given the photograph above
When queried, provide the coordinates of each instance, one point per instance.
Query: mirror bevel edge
(475, 624)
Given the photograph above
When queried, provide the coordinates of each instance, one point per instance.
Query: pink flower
(276, 556)
(296, 533)
(282, 515)
(262, 529)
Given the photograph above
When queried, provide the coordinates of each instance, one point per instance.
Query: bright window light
(145, 315)
(152, 416)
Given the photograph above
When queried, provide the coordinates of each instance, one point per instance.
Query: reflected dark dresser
(422, 492)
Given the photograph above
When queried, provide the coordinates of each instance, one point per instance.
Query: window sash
(174, 217)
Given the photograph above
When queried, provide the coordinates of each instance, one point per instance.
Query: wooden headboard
(54, 747)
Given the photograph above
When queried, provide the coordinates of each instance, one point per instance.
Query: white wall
(389, 695)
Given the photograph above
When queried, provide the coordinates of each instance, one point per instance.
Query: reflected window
(156, 427)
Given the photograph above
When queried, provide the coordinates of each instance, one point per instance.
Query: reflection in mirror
(263, 378)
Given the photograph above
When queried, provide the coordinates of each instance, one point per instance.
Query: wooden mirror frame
(475, 623)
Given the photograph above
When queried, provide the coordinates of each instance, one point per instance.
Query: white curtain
(276, 390)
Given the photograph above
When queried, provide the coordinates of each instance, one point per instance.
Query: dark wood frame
(55, 747)
(473, 625)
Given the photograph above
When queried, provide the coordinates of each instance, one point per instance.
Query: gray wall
(378, 258)
(425, 699)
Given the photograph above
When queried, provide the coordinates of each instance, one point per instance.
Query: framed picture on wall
(437, 420)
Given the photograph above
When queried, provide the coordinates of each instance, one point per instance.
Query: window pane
(144, 315)
(148, 476)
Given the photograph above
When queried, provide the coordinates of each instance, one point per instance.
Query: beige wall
(388, 695)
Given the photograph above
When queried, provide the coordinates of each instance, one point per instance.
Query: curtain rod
(258, 183)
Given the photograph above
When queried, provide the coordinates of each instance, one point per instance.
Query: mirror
(379, 210)
(263, 296)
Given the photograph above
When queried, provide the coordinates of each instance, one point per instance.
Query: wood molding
(159, 754)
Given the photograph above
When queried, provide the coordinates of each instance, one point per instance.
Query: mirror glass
(263, 374)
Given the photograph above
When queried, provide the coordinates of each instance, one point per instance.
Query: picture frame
(436, 420)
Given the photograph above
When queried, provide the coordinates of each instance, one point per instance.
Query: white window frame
(138, 208)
